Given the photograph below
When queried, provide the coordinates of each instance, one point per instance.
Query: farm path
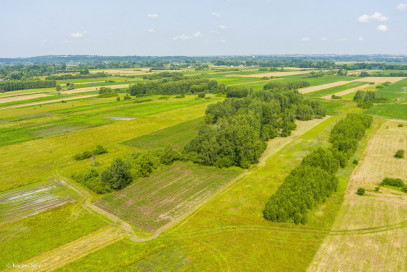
(65, 254)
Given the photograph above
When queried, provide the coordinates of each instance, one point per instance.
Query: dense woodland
(13, 85)
(312, 182)
(237, 129)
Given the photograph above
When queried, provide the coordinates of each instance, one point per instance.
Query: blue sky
(200, 28)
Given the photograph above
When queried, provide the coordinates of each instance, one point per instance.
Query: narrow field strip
(321, 87)
(72, 251)
(49, 101)
(380, 79)
(346, 91)
(14, 98)
(91, 89)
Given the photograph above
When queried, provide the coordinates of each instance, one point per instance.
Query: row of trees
(314, 180)
(78, 76)
(174, 87)
(289, 85)
(237, 129)
(164, 75)
(13, 85)
(123, 171)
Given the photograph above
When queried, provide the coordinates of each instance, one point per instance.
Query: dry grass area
(382, 246)
(126, 72)
(348, 91)
(322, 87)
(72, 251)
(380, 79)
(49, 101)
(20, 97)
(276, 74)
(91, 89)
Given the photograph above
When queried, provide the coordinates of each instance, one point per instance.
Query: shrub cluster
(399, 154)
(164, 75)
(237, 129)
(394, 182)
(87, 154)
(314, 180)
(105, 92)
(123, 171)
(77, 76)
(290, 85)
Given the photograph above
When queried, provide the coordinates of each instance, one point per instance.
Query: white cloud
(152, 16)
(361, 38)
(305, 39)
(402, 6)
(222, 27)
(377, 16)
(215, 14)
(382, 28)
(79, 34)
(184, 37)
(150, 30)
(324, 38)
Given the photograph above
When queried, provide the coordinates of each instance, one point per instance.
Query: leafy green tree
(118, 175)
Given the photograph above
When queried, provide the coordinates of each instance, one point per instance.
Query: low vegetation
(394, 182)
(399, 154)
(98, 150)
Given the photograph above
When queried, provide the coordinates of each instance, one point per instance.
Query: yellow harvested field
(63, 255)
(380, 79)
(91, 89)
(120, 72)
(276, 74)
(20, 97)
(49, 101)
(346, 91)
(382, 245)
(321, 87)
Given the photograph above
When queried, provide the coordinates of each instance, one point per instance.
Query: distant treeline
(312, 182)
(78, 76)
(13, 85)
(174, 87)
(237, 129)
(164, 75)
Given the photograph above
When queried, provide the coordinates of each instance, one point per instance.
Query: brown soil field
(380, 79)
(90, 89)
(49, 101)
(20, 97)
(321, 87)
(348, 91)
(386, 210)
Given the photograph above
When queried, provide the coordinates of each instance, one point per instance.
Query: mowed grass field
(397, 111)
(333, 90)
(384, 248)
(150, 203)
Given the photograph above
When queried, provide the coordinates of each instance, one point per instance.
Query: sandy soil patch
(386, 209)
(322, 87)
(20, 97)
(49, 101)
(380, 79)
(119, 72)
(90, 89)
(346, 91)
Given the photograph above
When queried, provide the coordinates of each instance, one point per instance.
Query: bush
(360, 191)
(400, 125)
(118, 175)
(336, 97)
(99, 150)
(201, 95)
(87, 154)
(127, 97)
(355, 162)
(399, 154)
(395, 182)
(118, 98)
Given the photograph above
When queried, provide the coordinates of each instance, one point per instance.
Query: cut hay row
(348, 91)
(27, 201)
(384, 251)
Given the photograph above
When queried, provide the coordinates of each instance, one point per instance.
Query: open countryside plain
(185, 215)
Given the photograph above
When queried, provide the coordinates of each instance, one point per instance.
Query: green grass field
(396, 90)
(396, 111)
(177, 136)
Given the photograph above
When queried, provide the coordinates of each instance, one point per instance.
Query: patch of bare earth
(322, 87)
(386, 210)
(348, 91)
